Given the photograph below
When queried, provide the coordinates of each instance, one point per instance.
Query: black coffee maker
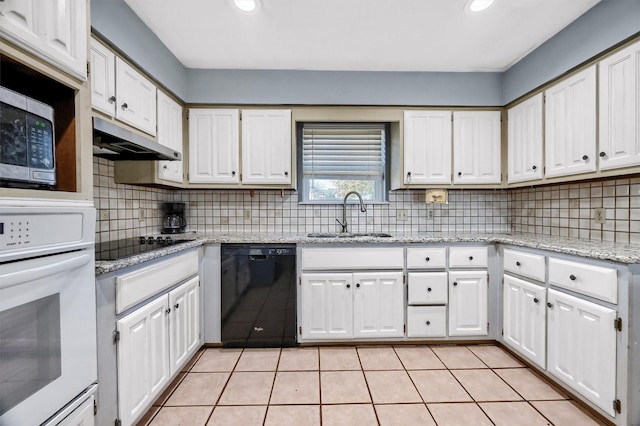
(174, 221)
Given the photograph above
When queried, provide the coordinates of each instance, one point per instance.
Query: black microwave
(27, 148)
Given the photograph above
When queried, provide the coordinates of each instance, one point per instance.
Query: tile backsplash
(564, 210)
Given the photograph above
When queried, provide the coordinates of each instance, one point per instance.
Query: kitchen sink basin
(349, 235)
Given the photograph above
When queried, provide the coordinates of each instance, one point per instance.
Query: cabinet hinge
(118, 422)
(299, 280)
(404, 328)
(116, 337)
(617, 324)
(487, 326)
(404, 279)
(300, 330)
(502, 332)
(617, 406)
(95, 407)
(88, 67)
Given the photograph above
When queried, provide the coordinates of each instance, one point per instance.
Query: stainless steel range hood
(116, 143)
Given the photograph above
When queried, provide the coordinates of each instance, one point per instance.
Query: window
(335, 158)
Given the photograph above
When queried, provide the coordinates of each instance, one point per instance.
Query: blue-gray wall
(608, 23)
(116, 22)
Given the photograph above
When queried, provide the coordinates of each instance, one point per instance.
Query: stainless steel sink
(349, 235)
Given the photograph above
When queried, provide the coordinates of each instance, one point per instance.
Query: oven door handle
(27, 272)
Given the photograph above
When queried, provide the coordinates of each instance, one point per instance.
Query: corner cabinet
(570, 125)
(619, 112)
(427, 147)
(524, 140)
(476, 147)
(216, 149)
(53, 30)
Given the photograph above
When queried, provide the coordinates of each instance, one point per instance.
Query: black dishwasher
(258, 295)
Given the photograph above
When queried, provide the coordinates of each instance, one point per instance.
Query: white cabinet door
(476, 147)
(103, 78)
(214, 146)
(266, 146)
(468, 303)
(427, 147)
(378, 305)
(619, 112)
(582, 347)
(327, 306)
(170, 135)
(136, 104)
(524, 318)
(184, 323)
(570, 125)
(143, 358)
(54, 30)
(524, 136)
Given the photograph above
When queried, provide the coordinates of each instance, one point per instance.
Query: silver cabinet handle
(112, 99)
(536, 300)
(125, 105)
(549, 304)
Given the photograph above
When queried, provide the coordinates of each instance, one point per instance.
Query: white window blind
(343, 150)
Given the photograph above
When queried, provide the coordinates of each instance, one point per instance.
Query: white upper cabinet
(103, 78)
(266, 146)
(214, 146)
(170, 135)
(427, 147)
(476, 147)
(54, 30)
(136, 98)
(524, 135)
(620, 109)
(570, 125)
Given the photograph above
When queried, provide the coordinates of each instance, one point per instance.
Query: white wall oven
(47, 310)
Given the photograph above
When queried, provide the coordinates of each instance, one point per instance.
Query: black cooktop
(118, 249)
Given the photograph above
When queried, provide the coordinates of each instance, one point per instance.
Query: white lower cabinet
(143, 361)
(524, 318)
(184, 326)
(426, 321)
(582, 347)
(468, 303)
(155, 341)
(337, 306)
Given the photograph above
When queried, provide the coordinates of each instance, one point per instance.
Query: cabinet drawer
(134, 287)
(427, 258)
(340, 258)
(427, 288)
(468, 257)
(426, 321)
(596, 281)
(525, 264)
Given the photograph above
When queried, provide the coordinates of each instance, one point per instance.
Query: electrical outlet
(141, 215)
(247, 214)
(104, 214)
(600, 216)
(401, 215)
(429, 214)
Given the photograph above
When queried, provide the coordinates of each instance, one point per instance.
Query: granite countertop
(623, 253)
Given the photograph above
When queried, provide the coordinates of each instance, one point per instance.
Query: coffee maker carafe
(174, 221)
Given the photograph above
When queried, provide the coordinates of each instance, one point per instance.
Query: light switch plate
(600, 216)
(401, 215)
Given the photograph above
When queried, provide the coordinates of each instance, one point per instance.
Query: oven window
(29, 349)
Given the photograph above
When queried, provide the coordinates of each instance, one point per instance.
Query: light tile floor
(369, 385)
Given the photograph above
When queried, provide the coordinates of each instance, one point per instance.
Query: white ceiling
(356, 35)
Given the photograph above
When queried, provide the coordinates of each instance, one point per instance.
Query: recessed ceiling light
(478, 5)
(246, 5)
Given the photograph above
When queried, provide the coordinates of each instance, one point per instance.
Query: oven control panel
(39, 229)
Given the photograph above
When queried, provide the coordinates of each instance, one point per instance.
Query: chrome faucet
(363, 209)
